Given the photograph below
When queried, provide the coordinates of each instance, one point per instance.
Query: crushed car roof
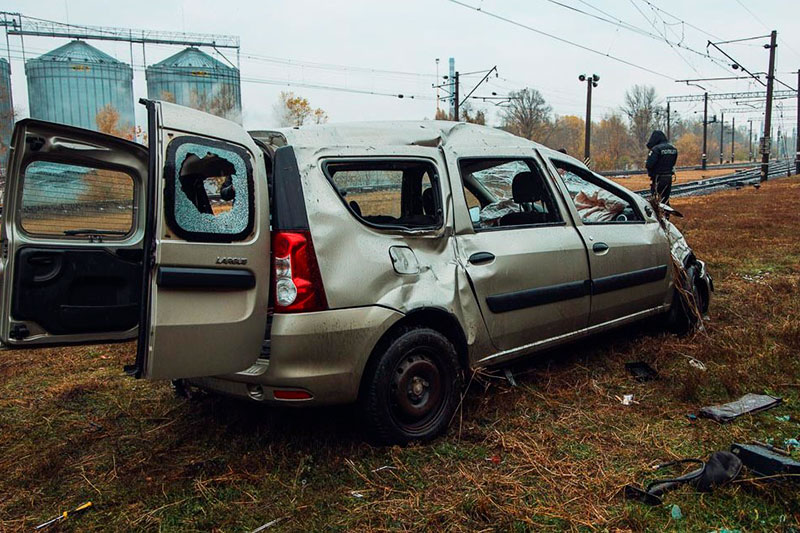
(430, 133)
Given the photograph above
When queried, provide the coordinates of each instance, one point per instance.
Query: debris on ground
(63, 516)
(676, 513)
(748, 404)
(783, 418)
(356, 494)
(641, 371)
(627, 399)
(384, 467)
(268, 525)
(720, 469)
(766, 461)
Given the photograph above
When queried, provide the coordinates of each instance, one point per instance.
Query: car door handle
(599, 247)
(480, 258)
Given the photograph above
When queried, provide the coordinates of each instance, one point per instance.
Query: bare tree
(643, 112)
(527, 115)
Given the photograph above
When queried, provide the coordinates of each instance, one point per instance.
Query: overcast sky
(391, 47)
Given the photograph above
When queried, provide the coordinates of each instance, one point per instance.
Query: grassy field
(548, 455)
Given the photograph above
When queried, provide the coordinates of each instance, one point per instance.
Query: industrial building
(195, 79)
(74, 82)
(6, 109)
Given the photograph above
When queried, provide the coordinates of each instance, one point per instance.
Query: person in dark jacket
(661, 165)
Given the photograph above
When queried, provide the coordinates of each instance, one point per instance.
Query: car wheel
(684, 312)
(413, 388)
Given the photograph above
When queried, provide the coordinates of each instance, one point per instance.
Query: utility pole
(451, 72)
(797, 130)
(765, 148)
(721, 133)
(750, 148)
(669, 138)
(705, 130)
(591, 81)
(455, 99)
(733, 139)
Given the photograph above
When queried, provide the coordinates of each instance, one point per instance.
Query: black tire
(411, 390)
(683, 315)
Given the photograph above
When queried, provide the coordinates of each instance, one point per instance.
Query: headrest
(428, 203)
(526, 188)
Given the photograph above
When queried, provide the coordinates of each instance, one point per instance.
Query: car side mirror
(475, 214)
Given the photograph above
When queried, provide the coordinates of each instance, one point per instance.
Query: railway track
(738, 179)
(618, 173)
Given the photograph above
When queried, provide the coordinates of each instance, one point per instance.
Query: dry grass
(548, 455)
(641, 181)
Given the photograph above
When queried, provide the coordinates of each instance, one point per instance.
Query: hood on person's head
(657, 137)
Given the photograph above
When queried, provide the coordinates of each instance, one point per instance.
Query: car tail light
(297, 281)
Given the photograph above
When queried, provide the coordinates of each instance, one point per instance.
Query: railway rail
(738, 179)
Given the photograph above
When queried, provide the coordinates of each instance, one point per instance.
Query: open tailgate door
(206, 246)
(72, 233)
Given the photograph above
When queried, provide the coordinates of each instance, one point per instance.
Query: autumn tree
(7, 117)
(568, 132)
(527, 114)
(611, 143)
(690, 146)
(468, 114)
(292, 110)
(107, 120)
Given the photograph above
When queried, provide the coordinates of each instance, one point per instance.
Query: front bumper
(323, 353)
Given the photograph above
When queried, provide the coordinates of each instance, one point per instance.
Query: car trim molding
(513, 301)
(204, 278)
(616, 282)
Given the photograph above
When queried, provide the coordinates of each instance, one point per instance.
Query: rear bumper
(323, 353)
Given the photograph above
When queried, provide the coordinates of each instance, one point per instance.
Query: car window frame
(170, 168)
(137, 192)
(435, 184)
(600, 182)
(542, 173)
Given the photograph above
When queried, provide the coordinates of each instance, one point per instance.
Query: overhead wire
(561, 39)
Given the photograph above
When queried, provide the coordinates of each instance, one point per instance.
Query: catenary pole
(705, 131)
(765, 148)
(733, 139)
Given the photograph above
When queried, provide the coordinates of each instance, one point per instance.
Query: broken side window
(209, 192)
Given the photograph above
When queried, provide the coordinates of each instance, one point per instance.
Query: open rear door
(71, 264)
(207, 247)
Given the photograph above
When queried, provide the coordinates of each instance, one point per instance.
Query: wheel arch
(435, 318)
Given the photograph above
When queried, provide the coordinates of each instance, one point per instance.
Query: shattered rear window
(209, 194)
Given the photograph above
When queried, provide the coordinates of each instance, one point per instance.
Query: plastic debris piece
(783, 418)
(627, 399)
(676, 512)
(494, 459)
(641, 371)
(749, 403)
(356, 494)
(510, 377)
(791, 443)
(268, 525)
(691, 416)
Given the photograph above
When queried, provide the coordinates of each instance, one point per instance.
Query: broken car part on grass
(747, 404)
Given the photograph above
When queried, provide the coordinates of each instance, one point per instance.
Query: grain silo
(6, 109)
(195, 79)
(74, 82)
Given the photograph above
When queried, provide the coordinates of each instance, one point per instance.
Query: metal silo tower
(195, 79)
(74, 82)
(6, 110)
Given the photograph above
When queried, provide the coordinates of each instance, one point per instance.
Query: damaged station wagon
(372, 263)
